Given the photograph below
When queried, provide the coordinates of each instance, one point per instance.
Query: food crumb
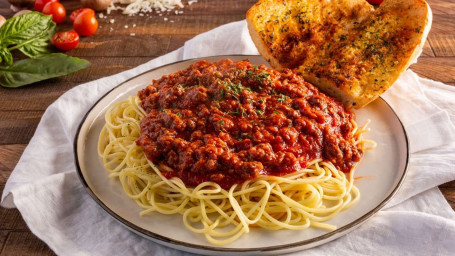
(165, 19)
(126, 26)
(134, 7)
(101, 15)
(134, 25)
(132, 34)
(112, 21)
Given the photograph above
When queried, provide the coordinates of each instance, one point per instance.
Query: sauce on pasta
(229, 122)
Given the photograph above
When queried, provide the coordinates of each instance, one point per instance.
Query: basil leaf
(39, 68)
(29, 33)
(5, 55)
(39, 45)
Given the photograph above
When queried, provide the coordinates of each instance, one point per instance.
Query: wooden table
(133, 40)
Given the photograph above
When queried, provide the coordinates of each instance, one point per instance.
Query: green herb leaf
(5, 55)
(29, 33)
(43, 67)
(282, 98)
(39, 45)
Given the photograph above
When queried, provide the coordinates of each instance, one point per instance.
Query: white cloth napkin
(418, 221)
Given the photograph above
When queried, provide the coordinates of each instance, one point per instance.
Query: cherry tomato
(39, 4)
(65, 40)
(57, 11)
(375, 1)
(75, 13)
(85, 24)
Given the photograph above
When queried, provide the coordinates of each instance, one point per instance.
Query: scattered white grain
(132, 7)
(111, 21)
(132, 34)
(101, 15)
(134, 25)
(126, 26)
(165, 19)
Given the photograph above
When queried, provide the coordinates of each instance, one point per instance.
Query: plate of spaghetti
(225, 155)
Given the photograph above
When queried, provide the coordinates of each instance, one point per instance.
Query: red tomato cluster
(55, 9)
(84, 23)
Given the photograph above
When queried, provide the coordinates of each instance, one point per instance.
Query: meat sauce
(229, 122)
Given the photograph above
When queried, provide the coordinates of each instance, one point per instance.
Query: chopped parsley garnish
(264, 75)
(282, 98)
(239, 112)
(233, 89)
(221, 123)
(260, 112)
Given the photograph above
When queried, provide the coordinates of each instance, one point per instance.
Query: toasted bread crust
(345, 47)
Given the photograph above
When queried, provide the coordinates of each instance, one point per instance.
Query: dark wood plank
(448, 190)
(439, 7)
(442, 45)
(119, 45)
(38, 96)
(3, 237)
(24, 243)
(443, 24)
(9, 155)
(436, 68)
(11, 218)
(101, 67)
(427, 50)
(18, 127)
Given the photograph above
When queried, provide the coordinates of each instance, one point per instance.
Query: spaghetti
(293, 200)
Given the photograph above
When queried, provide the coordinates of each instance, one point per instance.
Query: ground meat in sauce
(228, 122)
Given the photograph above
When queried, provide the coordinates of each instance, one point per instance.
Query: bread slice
(349, 49)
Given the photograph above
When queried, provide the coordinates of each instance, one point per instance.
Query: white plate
(380, 173)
